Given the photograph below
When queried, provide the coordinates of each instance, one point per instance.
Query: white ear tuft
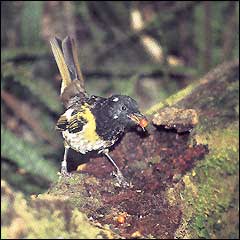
(115, 99)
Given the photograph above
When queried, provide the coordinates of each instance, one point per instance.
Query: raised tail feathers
(65, 54)
(71, 58)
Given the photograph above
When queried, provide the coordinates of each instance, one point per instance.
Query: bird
(89, 122)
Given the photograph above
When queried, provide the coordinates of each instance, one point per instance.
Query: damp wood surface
(184, 174)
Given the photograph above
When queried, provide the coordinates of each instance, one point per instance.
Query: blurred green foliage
(31, 17)
(26, 156)
(25, 77)
(112, 58)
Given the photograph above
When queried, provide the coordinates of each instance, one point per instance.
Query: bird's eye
(124, 108)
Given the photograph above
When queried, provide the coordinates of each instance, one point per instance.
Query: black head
(124, 110)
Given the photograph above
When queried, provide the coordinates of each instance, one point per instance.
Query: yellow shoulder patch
(90, 128)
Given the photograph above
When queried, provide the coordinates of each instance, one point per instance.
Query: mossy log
(184, 176)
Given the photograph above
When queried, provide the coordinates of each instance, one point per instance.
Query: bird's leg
(64, 171)
(119, 175)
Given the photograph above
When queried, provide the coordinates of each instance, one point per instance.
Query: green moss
(138, 165)
(172, 99)
(44, 217)
(210, 192)
(155, 160)
(70, 187)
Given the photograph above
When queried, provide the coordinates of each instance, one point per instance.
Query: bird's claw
(65, 173)
(121, 180)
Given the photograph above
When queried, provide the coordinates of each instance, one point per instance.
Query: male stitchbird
(90, 122)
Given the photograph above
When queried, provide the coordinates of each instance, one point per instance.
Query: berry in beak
(139, 119)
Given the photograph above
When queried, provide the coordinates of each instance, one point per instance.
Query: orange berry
(121, 219)
(143, 122)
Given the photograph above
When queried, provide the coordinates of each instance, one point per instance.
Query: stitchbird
(90, 122)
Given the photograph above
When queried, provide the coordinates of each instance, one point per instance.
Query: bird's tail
(65, 54)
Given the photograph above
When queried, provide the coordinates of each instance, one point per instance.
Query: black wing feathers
(74, 125)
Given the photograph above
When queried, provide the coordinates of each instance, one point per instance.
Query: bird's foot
(64, 172)
(122, 180)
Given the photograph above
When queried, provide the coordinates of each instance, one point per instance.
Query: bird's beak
(139, 119)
